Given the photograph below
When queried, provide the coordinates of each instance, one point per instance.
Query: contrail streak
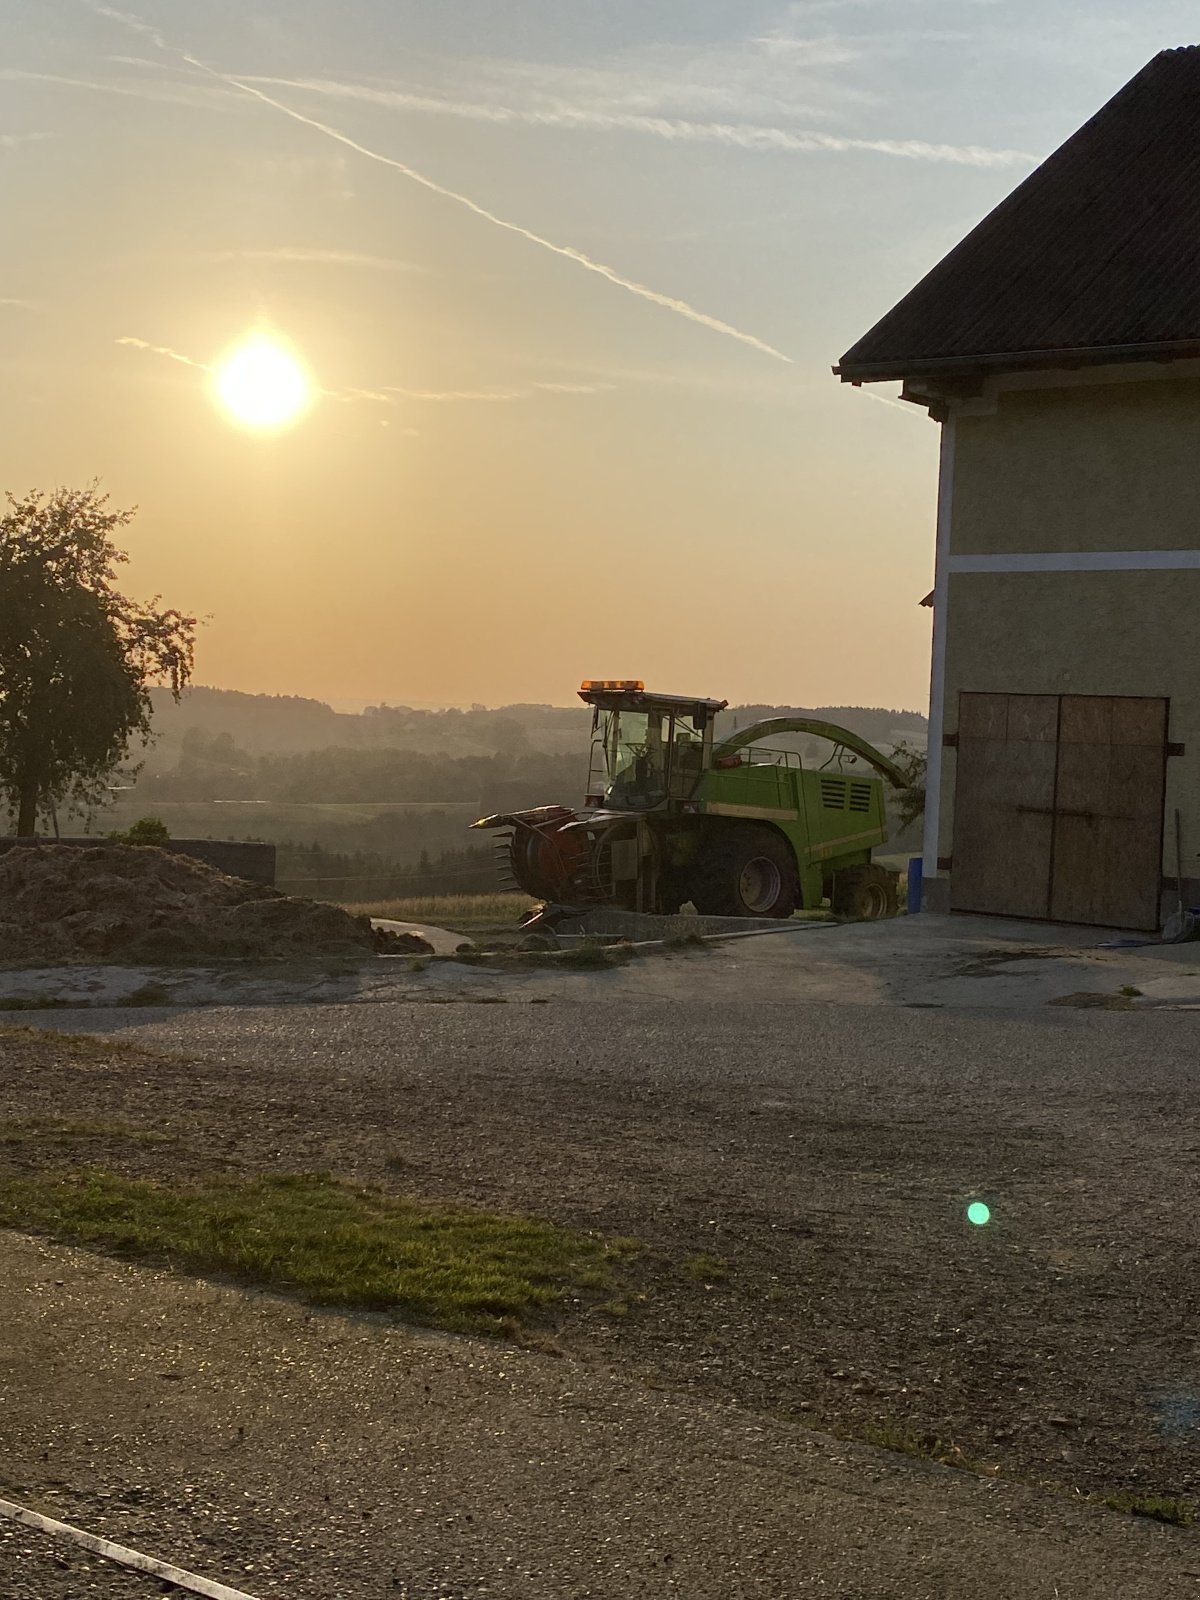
(567, 252)
(890, 400)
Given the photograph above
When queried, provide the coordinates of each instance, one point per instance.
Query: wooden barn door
(1004, 804)
(1058, 807)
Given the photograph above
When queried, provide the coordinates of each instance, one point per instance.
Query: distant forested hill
(263, 724)
(257, 725)
(393, 783)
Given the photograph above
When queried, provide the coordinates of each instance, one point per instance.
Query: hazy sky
(570, 275)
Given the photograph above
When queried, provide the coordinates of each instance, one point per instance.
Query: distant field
(394, 831)
(458, 912)
(273, 814)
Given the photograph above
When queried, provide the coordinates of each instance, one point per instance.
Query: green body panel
(831, 819)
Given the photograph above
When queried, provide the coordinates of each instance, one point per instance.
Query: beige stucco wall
(1110, 467)
(1118, 633)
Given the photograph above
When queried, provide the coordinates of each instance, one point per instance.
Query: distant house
(1059, 348)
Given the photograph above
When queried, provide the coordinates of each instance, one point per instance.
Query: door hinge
(945, 863)
(950, 741)
(1176, 749)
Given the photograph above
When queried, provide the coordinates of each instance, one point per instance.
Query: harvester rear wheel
(865, 893)
(745, 872)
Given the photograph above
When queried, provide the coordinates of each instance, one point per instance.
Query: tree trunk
(27, 812)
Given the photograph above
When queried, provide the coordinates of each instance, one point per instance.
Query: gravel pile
(135, 903)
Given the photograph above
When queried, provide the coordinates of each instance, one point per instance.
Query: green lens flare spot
(978, 1213)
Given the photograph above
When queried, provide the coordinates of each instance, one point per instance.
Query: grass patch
(926, 1447)
(1129, 990)
(1090, 1000)
(60, 1130)
(590, 955)
(79, 1046)
(1159, 1508)
(36, 1002)
(707, 1268)
(459, 912)
(328, 1242)
(920, 1446)
(686, 941)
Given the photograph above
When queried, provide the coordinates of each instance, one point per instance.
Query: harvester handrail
(772, 727)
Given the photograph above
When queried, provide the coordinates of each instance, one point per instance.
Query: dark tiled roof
(1095, 257)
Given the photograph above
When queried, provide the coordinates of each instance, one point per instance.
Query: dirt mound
(136, 903)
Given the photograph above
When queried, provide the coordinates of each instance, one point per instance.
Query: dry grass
(458, 912)
(1159, 1508)
(51, 1131)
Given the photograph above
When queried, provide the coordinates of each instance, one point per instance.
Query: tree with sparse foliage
(910, 802)
(77, 657)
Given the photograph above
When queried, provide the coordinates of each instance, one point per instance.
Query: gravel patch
(826, 1155)
(294, 1454)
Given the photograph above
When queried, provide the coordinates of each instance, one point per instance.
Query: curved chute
(772, 727)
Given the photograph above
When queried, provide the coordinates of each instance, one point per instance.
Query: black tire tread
(719, 863)
(850, 883)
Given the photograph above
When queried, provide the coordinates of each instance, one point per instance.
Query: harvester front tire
(865, 893)
(745, 872)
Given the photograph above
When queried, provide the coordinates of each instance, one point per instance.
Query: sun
(261, 384)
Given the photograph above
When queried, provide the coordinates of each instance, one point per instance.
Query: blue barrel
(916, 868)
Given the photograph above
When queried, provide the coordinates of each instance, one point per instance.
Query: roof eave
(1013, 361)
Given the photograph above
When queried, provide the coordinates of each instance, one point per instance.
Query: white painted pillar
(937, 682)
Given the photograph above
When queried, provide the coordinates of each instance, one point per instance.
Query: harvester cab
(648, 750)
(673, 814)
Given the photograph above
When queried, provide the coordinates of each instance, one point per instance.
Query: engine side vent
(833, 794)
(860, 797)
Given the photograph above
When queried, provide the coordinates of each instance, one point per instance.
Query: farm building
(1058, 346)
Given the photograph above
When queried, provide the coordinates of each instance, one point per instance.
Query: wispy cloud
(299, 255)
(139, 61)
(165, 92)
(11, 141)
(801, 10)
(165, 351)
(743, 136)
(127, 18)
(391, 394)
(529, 391)
(15, 303)
(672, 303)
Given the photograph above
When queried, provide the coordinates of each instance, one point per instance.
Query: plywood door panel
(1085, 719)
(1003, 804)
(1059, 807)
(1032, 717)
(1109, 811)
(1139, 721)
(983, 716)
